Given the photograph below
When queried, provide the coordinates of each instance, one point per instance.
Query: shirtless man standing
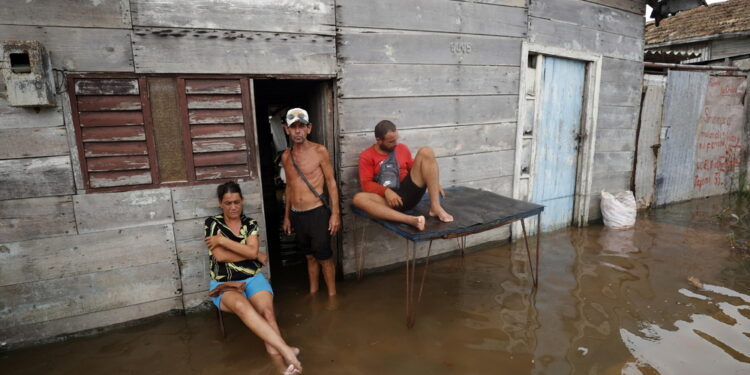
(388, 198)
(313, 222)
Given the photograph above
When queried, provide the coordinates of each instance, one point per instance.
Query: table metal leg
(538, 245)
(410, 269)
(359, 247)
(528, 252)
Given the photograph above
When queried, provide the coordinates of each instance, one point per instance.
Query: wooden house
(144, 106)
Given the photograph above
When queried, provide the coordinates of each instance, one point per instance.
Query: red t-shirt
(369, 167)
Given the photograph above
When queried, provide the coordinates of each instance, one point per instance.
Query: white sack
(618, 210)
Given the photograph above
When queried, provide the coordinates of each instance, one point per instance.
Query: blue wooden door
(560, 106)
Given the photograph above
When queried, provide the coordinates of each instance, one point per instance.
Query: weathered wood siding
(446, 73)
(614, 30)
(234, 36)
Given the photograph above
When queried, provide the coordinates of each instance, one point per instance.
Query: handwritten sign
(719, 140)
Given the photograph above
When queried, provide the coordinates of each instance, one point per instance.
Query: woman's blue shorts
(255, 284)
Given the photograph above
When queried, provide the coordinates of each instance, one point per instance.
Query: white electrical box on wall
(27, 73)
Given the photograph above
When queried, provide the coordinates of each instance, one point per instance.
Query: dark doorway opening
(272, 99)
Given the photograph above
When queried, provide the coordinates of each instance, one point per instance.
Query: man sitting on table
(393, 183)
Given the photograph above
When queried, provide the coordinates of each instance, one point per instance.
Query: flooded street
(609, 302)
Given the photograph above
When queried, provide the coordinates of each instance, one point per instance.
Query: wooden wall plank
(119, 178)
(576, 38)
(213, 86)
(195, 274)
(23, 334)
(605, 162)
(67, 256)
(110, 103)
(107, 86)
(445, 141)
(25, 219)
(117, 163)
(113, 134)
(621, 82)
(31, 142)
(217, 131)
(433, 15)
(634, 6)
(220, 158)
(214, 102)
(218, 144)
(615, 140)
(100, 13)
(200, 201)
(361, 115)
(590, 15)
(227, 52)
(37, 301)
(111, 118)
(107, 211)
(36, 177)
(510, 3)
(400, 47)
(617, 117)
(385, 80)
(221, 172)
(296, 16)
(114, 149)
(79, 49)
(215, 116)
(649, 134)
(22, 117)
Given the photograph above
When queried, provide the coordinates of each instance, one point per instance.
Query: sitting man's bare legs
(238, 304)
(377, 207)
(426, 172)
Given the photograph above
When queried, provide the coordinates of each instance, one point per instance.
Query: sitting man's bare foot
(441, 214)
(418, 222)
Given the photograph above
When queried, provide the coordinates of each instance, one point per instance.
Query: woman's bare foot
(290, 356)
(441, 214)
(418, 222)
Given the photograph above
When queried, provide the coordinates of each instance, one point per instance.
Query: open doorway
(272, 99)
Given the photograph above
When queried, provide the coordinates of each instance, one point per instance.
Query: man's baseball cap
(297, 114)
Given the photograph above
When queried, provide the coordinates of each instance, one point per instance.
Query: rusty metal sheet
(683, 101)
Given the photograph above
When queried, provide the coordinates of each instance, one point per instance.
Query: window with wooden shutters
(115, 140)
(218, 127)
(138, 132)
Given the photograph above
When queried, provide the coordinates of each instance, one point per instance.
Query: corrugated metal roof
(720, 18)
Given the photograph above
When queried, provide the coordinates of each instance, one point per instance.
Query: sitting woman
(237, 285)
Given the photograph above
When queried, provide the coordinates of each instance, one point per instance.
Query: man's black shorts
(410, 193)
(311, 232)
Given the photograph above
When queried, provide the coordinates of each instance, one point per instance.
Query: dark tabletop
(473, 210)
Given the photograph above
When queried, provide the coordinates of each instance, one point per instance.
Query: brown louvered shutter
(115, 140)
(218, 127)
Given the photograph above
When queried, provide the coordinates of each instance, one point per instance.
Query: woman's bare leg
(236, 303)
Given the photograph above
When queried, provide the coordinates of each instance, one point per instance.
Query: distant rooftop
(721, 18)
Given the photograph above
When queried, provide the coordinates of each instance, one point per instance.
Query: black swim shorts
(311, 232)
(410, 193)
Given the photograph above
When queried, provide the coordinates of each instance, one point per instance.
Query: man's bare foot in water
(418, 222)
(441, 214)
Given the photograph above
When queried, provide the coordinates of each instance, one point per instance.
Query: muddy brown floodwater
(609, 302)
